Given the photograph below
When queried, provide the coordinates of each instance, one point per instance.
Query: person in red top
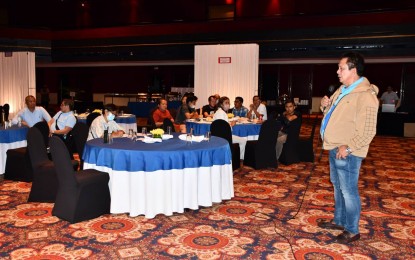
(161, 113)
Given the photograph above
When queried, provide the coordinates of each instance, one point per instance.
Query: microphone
(330, 92)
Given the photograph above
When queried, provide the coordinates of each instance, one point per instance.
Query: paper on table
(166, 137)
(195, 138)
(150, 140)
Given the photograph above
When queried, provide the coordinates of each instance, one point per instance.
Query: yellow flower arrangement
(230, 115)
(157, 133)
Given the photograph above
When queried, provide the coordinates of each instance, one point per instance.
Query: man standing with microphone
(347, 129)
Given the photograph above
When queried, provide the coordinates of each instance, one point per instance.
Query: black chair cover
(305, 145)
(43, 127)
(221, 128)
(289, 154)
(45, 182)
(91, 118)
(261, 154)
(81, 195)
(167, 123)
(18, 167)
(80, 135)
(6, 109)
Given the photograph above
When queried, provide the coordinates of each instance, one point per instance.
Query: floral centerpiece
(230, 115)
(157, 133)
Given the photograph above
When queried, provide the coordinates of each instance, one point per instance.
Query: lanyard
(343, 92)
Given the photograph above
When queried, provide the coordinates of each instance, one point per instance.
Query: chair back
(290, 154)
(166, 123)
(6, 109)
(80, 134)
(265, 155)
(36, 147)
(43, 128)
(91, 118)
(150, 121)
(221, 128)
(62, 162)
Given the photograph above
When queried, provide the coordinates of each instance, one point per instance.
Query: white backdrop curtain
(237, 78)
(17, 79)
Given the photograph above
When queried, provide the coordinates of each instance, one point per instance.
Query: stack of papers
(195, 138)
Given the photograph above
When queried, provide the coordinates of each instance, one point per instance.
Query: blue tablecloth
(13, 134)
(142, 109)
(242, 130)
(126, 155)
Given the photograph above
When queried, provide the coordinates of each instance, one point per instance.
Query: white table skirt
(3, 151)
(168, 191)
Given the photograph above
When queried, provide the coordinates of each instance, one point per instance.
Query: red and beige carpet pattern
(267, 218)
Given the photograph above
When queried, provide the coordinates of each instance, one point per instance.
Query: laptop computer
(388, 108)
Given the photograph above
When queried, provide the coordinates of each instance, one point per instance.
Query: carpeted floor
(267, 218)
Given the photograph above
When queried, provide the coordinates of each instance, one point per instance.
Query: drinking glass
(169, 130)
(207, 136)
(130, 133)
(144, 130)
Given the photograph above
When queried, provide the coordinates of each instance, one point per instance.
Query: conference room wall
(274, 79)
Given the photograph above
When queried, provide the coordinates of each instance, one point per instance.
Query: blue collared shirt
(242, 112)
(31, 118)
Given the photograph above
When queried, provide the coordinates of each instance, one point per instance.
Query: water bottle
(106, 136)
(19, 121)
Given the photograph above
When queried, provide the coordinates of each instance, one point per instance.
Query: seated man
(186, 111)
(62, 123)
(289, 118)
(239, 109)
(257, 110)
(105, 122)
(31, 114)
(161, 113)
(209, 109)
(224, 105)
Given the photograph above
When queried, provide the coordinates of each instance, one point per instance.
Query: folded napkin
(166, 137)
(150, 140)
(195, 138)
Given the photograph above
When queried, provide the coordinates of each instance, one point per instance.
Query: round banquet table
(11, 138)
(162, 178)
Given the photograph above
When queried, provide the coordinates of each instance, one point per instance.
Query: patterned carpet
(269, 218)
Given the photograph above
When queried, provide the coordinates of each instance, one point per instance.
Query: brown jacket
(353, 121)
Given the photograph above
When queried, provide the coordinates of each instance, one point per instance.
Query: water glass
(144, 130)
(121, 112)
(130, 133)
(169, 130)
(207, 136)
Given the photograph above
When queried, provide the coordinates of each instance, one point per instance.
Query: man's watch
(348, 150)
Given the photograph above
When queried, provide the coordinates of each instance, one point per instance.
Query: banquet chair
(43, 128)
(45, 182)
(91, 118)
(81, 195)
(260, 154)
(80, 134)
(18, 166)
(221, 128)
(6, 109)
(305, 144)
(167, 123)
(290, 153)
(1, 118)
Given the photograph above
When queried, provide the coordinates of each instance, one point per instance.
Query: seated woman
(161, 113)
(224, 105)
(289, 118)
(105, 122)
(186, 111)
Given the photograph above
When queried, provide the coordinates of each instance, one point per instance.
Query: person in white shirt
(389, 97)
(31, 114)
(224, 105)
(257, 110)
(63, 122)
(105, 122)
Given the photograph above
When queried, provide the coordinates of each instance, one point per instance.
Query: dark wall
(300, 80)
